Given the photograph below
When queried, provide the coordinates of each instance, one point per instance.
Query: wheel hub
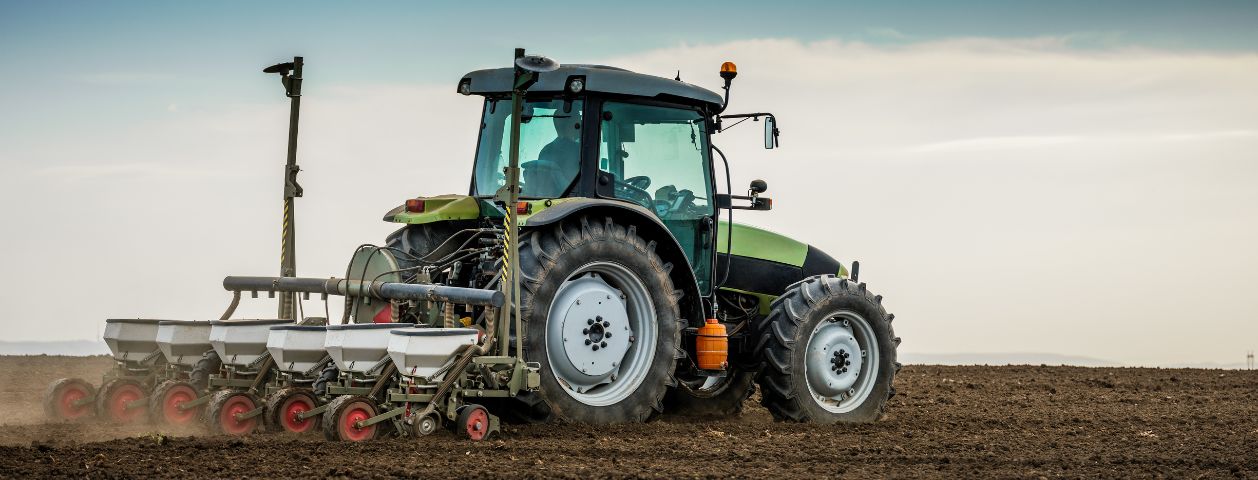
(834, 359)
(601, 333)
(591, 321)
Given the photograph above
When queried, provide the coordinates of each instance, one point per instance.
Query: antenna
(1249, 360)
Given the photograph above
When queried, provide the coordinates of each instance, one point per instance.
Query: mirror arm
(757, 202)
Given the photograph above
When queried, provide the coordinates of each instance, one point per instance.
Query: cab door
(657, 156)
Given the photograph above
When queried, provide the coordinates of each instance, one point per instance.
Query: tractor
(628, 263)
(591, 273)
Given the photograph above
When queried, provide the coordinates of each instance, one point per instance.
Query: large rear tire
(601, 317)
(209, 364)
(829, 353)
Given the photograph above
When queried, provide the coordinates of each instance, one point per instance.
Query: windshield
(550, 147)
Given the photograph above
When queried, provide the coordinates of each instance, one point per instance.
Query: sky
(1077, 178)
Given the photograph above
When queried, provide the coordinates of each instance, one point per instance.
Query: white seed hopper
(240, 343)
(131, 339)
(297, 348)
(421, 352)
(358, 347)
(183, 342)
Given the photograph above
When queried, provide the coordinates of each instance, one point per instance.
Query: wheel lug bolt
(598, 318)
(607, 323)
(589, 322)
(604, 344)
(596, 348)
(585, 331)
(608, 334)
(587, 341)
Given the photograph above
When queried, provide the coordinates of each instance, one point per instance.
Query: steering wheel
(628, 189)
(640, 182)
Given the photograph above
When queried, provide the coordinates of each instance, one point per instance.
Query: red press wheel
(115, 398)
(69, 399)
(224, 408)
(474, 421)
(291, 407)
(168, 397)
(341, 419)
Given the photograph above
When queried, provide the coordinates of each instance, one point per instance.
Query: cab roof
(598, 79)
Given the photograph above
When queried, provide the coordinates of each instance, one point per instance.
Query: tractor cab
(600, 132)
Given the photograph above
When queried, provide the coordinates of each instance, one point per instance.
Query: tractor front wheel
(69, 399)
(829, 353)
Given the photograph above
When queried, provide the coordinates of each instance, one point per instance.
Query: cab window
(657, 157)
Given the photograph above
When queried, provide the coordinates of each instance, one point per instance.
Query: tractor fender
(649, 226)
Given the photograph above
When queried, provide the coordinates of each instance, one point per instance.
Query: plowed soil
(947, 422)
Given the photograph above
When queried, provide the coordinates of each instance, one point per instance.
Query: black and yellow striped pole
(290, 75)
(527, 68)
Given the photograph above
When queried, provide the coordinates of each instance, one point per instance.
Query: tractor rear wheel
(711, 397)
(601, 316)
(225, 406)
(209, 364)
(69, 399)
(165, 403)
(283, 406)
(341, 416)
(829, 353)
(113, 402)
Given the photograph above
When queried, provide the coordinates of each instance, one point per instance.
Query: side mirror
(758, 186)
(770, 132)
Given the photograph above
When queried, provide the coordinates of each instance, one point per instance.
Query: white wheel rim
(841, 362)
(601, 305)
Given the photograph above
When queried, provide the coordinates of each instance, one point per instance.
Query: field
(952, 422)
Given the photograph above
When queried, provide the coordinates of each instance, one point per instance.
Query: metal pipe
(378, 290)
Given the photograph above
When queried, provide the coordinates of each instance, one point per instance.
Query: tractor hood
(764, 263)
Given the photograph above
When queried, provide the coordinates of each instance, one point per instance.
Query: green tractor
(591, 274)
(636, 295)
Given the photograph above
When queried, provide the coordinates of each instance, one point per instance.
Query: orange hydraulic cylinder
(712, 346)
